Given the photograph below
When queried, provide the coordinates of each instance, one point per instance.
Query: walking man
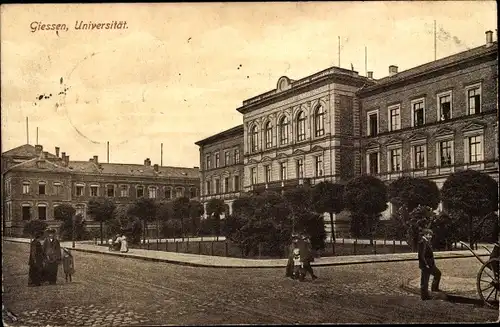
(307, 256)
(427, 265)
(52, 250)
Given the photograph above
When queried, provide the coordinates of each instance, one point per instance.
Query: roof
(452, 60)
(39, 165)
(26, 150)
(237, 130)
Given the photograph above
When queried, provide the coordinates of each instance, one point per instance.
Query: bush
(34, 228)
(66, 229)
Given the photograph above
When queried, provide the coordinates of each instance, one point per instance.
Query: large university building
(427, 121)
(35, 182)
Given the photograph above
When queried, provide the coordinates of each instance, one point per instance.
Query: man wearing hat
(52, 250)
(427, 265)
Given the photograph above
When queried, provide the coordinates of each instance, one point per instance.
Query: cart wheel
(488, 282)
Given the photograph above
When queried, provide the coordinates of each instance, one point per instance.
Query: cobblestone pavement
(108, 291)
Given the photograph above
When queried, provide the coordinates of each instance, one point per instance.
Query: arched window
(269, 135)
(254, 139)
(179, 192)
(194, 192)
(319, 121)
(284, 130)
(168, 193)
(301, 126)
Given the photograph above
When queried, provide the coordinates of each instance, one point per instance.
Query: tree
(164, 213)
(180, 209)
(35, 227)
(366, 198)
(66, 214)
(473, 193)
(298, 201)
(101, 209)
(145, 210)
(215, 208)
(328, 197)
(196, 210)
(412, 192)
(124, 223)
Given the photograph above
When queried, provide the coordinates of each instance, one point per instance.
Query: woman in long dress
(35, 275)
(124, 244)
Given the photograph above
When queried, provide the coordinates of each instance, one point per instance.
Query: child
(297, 265)
(68, 264)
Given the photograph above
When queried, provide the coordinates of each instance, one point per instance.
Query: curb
(205, 265)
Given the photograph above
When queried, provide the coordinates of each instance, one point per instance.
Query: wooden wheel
(488, 282)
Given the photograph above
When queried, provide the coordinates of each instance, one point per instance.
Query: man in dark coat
(306, 255)
(427, 265)
(35, 275)
(52, 250)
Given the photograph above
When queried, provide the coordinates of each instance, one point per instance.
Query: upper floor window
(474, 100)
(284, 130)
(254, 141)
(57, 188)
(267, 171)
(208, 161)
(79, 189)
(395, 160)
(283, 171)
(444, 106)
(373, 163)
(253, 175)
(236, 183)
(236, 156)
(193, 192)
(152, 192)
(217, 186)
(26, 187)
(41, 188)
(418, 113)
(179, 192)
(319, 121)
(419, 155)
(318, 165)
(227, 158)
(300, 168)
(301, 126)
(445, 150)
(269, 134)
(474, 149)
(139, 191)
(217, 160)
(110, 190)
(168, 193)
(226, 184)
(394, 118)
(94, 190)
(372, 123)
(208, 189)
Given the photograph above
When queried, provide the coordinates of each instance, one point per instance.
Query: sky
(178, 72)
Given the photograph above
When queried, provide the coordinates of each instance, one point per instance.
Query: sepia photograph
(249, 163)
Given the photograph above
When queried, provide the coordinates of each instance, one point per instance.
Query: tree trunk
(100, 224)
(144, 231)
(470, 233)
(182, 228)
(332, 239)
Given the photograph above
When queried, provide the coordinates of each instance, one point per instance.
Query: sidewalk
(225, 262)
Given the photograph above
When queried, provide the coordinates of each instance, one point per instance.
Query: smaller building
(221, 166)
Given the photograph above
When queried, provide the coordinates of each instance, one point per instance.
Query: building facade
(221, 166)
(35, 186)
(428, 121)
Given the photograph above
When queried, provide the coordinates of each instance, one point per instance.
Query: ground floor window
(42, 212)
(26, 212)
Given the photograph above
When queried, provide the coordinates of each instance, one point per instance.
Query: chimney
(45, 154)
(489, 38)
(38, 149)
(67, 160)
(156, 167)
(91, 160)
(96, 160)
(147, 162)
(369, 75)
(393, 70)
(57, 151)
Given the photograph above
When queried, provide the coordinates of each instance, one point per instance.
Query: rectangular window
(267, 170)
(208, 162)
(226, 184)
(372, 124)
(26, 213)
(300, 168)
(26, 188)
(236, 156)
(123, 191)
(217, 186)
(475, 149)
(217, 160)
(227, 158)
(79, 190)
(418, 113)
(168, 193)
(42, 213)
(209, 188)
(193, 193)
(41, 188)
(283, 171)
(318, 165)
(395, 160)
(445, 153)
(139, 191)
(373, 163)
(152, 192)
(57, 188)
(474, 100)
(444, 107)
(253, 175)
(110, 190)
(394, 119)
(179, 192)
(236, 183)
(419, 156)
(94, 190)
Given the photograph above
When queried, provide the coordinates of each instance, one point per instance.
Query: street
(114, 291)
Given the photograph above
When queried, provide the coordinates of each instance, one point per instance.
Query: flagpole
(435, 37)
(366, 62)
(339, 51)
